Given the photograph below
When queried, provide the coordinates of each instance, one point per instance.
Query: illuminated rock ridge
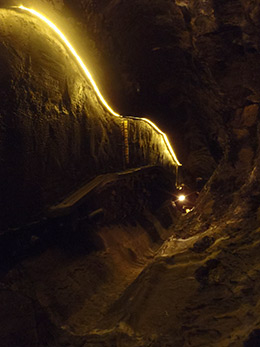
(56, 133)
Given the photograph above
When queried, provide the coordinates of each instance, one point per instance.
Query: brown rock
(241, 133)
(249, 115)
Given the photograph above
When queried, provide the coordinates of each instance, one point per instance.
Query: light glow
(89, 76)
(181, 197)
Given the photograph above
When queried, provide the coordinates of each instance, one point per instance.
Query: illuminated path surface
(97, 91)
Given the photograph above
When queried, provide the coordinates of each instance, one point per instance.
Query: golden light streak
(166, 140)
(89, 76)
(72, 50)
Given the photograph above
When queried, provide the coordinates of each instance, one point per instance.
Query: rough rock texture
(54, 132)
(201, 286)
(190, 64)
(72, 272)
(202, 289)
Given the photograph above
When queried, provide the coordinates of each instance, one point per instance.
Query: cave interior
(95, 247)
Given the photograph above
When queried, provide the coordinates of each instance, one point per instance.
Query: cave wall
(191, 65)
(55, 134)
(202, 287)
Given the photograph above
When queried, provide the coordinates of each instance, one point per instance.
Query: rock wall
(55, 134)
(190, 64)
(201, 288)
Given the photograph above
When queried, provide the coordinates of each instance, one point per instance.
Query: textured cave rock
(145, 59)
(54, 132)
(190, 64)
(201, 286)
(162, 71)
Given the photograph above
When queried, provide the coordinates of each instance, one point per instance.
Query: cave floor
(201, 289)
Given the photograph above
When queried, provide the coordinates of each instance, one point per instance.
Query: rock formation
(55, 132)
(149, 276)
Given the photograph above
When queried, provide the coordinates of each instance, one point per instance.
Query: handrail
(93, 83)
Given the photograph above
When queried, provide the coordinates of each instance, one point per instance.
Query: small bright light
(181, 198)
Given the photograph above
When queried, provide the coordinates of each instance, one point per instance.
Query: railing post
(177, 176)
(126, 142)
